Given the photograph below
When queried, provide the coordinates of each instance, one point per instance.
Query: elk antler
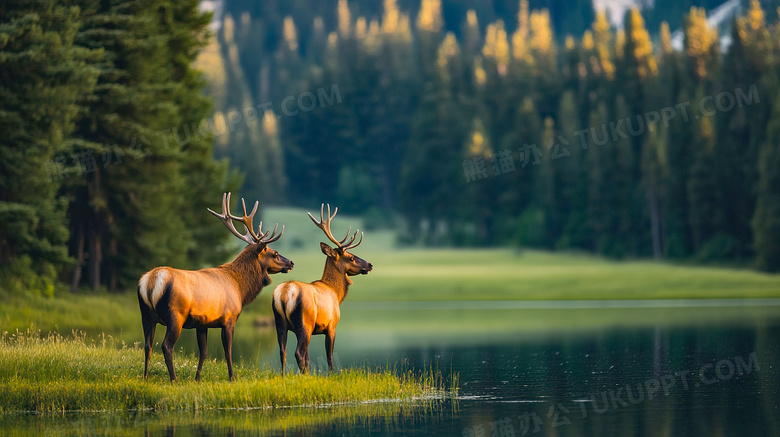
(250, 237)
(324, 224)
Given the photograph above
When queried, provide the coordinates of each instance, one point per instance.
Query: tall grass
(52, 373)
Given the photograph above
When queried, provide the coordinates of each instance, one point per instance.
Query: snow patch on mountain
(216, 7)
(616, 9)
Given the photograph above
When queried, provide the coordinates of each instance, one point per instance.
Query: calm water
(706, 368)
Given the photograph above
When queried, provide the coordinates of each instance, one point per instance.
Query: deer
(211, 297)
(313, 308)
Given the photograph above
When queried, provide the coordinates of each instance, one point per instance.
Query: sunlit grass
(53, 373)
(503, 274)
(415, 275)
(103, 312)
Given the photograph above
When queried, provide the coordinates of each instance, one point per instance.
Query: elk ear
(327, 250)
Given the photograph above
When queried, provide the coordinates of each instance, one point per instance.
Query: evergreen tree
(573, 180)
(701, 44)
(741, 130)
(128, 216)
(703, 210)
(653, 165)
(601, 215)
(204, 178)
(766, 221)
(430, 174)
(679, 160)
(43, 74)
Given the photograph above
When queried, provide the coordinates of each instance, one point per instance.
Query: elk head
(344, 261)
(270, 260)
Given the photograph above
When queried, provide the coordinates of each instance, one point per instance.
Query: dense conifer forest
(544, 124)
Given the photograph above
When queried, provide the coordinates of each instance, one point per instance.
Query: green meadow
(413, 275)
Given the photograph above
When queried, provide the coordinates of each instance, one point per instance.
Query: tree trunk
(113, 280)
(95, 259)
(74, 285)
(655, 222)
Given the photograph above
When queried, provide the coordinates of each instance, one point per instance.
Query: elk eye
(352, 259)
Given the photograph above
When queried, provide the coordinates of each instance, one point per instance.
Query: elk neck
(336, 278)
(249, 273)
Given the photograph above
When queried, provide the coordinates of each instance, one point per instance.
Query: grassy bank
(67, 312)
(55, 374)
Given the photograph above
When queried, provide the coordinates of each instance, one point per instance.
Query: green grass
(67, 312)
(55, 374)
(503, 274)
(432, 275)
(508, 275)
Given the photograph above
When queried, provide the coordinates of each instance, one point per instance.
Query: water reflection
(694, 371)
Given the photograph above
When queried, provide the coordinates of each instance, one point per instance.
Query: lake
(536, 368)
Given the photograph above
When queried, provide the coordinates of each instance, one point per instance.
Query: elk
(314, 308)
(208, 298)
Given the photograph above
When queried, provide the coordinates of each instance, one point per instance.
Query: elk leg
(302, 351)
(227, 345)
(171, 336)
(330, 339)
(281, 337)
(149, 323)
(202, 348)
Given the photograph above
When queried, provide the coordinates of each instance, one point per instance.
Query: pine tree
(145, 105)
(345, 19)
(526, 139)
(629, 234)
(703, 209)
(573, 180)
(541, 43)
(496, 48)
(520, 49)
(701, 43)
(479, 211)
(741, 131)
(679, 160)
(639, 65)
(429, 24)
(602, 43)
(43, 74)
(547, 187)
(766, 220)
(470, 34)
(205, 179)
(430, 174)
(601, 215)
(653, 165)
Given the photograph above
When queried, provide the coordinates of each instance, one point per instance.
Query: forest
(539, 124)
(459, 124)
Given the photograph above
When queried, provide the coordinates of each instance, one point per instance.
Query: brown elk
(314, 308)
(208, 298)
